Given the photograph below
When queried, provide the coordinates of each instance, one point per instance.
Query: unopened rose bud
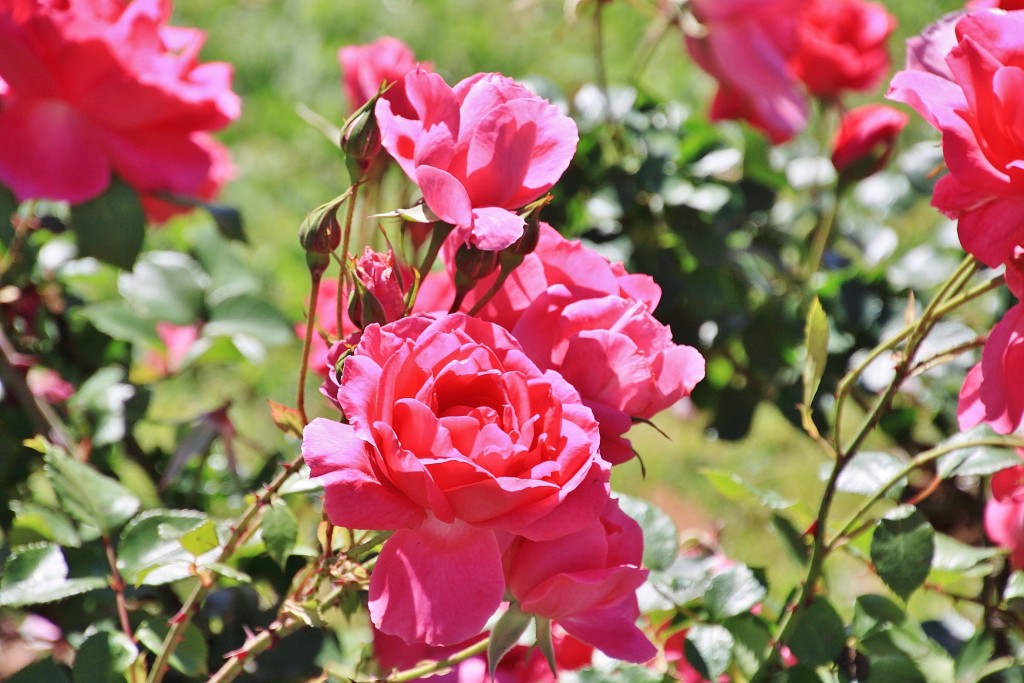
(472, 265)
(360, 139)
(511, 257)
(320, 232)
(866, 140)
(364, 308)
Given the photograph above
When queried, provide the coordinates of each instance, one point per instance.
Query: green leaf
(166, 285)
(955, 561)
(103, 397)
(894, 668)
(150, 551)
(868, 471)
(545, 644)
(902, 551)
(280, 530)
(88, 496)
(733, 592)
(816, 335)
(505, 635)
(732, 486)
(976, 461)
(116, 320)
(252, 316)
(111, 227)
(708, 649)
(974, 655)
(751, 640)
(45, 523)
(661, 538)
(45, 671)
(104, 658)
(37, 574)
(792, 537)
(228, 220)
(820, 636)
(200, 540)
(190, 656)
(1014, 586)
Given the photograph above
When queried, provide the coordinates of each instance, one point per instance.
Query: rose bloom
(746, 46)
(866, 140)
(999, 4)
(975, 107)
(592, 322)
(587, 582)
(478, 151)
(1004, 513)
(366, 67)
(991, 392)
(455, 440)
(95, 88)
(842, 46)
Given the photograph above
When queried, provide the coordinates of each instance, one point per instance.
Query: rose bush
(478, 151)
(118, 90)
(455, 440)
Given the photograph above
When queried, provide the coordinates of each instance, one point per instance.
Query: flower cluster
(485, 440)
(770, 56)
(115, 88)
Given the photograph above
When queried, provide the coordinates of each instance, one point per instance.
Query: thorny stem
(346, 233)
(433, 667)
(286, 623)
(22, 228)
(300, 392)
(241, 531)
(821, 237)
(602, 72)
(117, 585)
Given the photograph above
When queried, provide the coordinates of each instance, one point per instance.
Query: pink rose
(455, 440)
(95, 88)
(366, 67)
(590, 320)
(478, 151)
(746, 45)
(1004, 513)
(999, 4)
(976, 109)
(842, 46)
(866, 140)
(991, 393)
(587, 582)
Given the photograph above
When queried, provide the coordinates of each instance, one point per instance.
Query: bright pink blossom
(976, 105)
(1004, 513)
(746, 45)
(455, 440)
(842, 46)
(48, 385)
(1008, 5)
(992, 392)
(590, 320)
(366, 67)
(866, 139)
(478, 151)
(96, 88)
(587, 582)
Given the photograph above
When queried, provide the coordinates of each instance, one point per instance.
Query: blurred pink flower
(746, 46)
(842, 46)
(455, 440)
(1004, 513)
(866, 140)
(177, 340)
(478, 151)
(590, 320)
(96, 88)
(976, 106)
(48, 385)
(991, 393)
(587, 582)
(366, 67)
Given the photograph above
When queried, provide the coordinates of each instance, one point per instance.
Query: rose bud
(866, 140)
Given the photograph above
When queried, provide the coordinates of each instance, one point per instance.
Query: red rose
(866, 140)
(842, 46)
(95, 88)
